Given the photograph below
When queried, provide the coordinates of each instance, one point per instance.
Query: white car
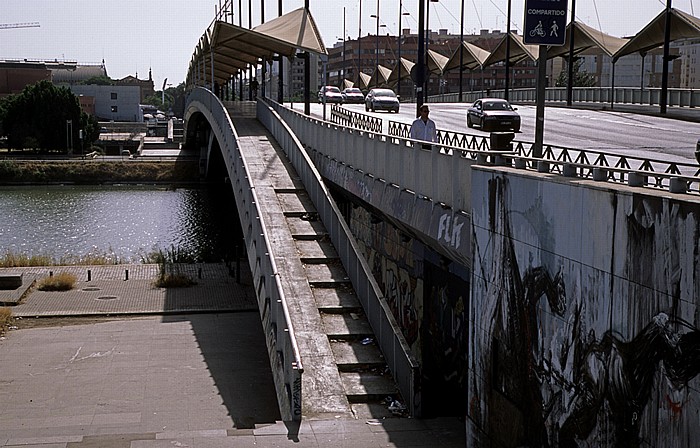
(331, 93)
(382, 99)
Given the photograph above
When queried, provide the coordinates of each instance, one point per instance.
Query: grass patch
(63, 281)
(96, 172)
(5, 319)
(170, 274)
(16, 260)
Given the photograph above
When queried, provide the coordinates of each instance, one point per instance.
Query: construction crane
(6, 26)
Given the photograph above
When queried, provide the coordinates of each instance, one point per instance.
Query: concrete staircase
(368, 384)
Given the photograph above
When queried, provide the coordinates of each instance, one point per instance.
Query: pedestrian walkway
(117, 362)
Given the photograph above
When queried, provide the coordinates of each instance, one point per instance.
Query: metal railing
(345, 117)
(391, 341)
(282, 346)
(676, 177)
(620, 95)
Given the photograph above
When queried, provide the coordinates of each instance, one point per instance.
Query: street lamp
(401, 13)
(376, 70)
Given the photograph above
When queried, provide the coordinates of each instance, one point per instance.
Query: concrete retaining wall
(583, 314)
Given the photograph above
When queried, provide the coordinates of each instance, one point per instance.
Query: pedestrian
(254, 87)
(423, 128)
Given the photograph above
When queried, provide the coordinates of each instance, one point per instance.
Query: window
(114, 95)
(115, 109)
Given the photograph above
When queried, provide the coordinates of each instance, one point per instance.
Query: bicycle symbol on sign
(538, 30)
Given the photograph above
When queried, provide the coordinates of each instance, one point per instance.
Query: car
(332, 95)
(493, 114)
(353, 95)
(381, 99)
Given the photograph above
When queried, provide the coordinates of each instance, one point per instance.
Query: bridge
(543, 291)
(549, 296)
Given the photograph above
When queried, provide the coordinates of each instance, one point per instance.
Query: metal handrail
(395, 348)
(363, 122)
(651, 96)
(272, 303)
(584, 157)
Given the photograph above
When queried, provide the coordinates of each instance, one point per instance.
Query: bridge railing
(676, 177)
(619, 95)
(281, 341)
(346, 117)
(393, 344)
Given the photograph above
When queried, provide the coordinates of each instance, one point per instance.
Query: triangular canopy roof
(472, 57)
(586, 37)
(383, 78)
(436, 62)
(683, 26)
(365, 80)
(518, 51)
(406, 67)
(233, 48)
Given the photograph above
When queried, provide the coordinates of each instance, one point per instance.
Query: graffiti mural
(582, 341)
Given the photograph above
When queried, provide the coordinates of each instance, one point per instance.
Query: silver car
(382, 99)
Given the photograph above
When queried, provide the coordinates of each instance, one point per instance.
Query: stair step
(295, 203)
(355, 355)
(329, 273)
(346, 326)
(305, 229)
(316, 251)
(363, 387)
(337, 300)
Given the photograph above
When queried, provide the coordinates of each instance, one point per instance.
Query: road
(615, 132)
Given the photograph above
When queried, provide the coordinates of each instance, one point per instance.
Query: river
(124, 223)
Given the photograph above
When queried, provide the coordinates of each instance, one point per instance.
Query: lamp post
(666, 59)
(420, 63)
(359, 48)
(344, 34)
(507, 78)
(401, 13)
(376, 68)
(461, 51)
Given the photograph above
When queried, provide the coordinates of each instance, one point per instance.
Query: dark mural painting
(565, 355)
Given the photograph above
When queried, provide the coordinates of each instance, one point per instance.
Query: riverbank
(80, 171)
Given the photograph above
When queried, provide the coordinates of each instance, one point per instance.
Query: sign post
(545, 25)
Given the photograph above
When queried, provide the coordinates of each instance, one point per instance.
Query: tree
(581, 77)
(39, 118)
(99, 80)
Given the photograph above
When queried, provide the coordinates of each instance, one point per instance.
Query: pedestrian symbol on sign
(555, 27)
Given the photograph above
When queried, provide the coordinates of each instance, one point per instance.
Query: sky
(133, 36)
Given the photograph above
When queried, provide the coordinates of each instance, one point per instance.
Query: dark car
(382, 99)
(331, 93)
(353, 95)
(493, 114)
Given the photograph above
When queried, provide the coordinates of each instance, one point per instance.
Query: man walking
(423, 128)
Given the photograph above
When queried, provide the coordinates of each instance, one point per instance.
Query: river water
(125, 223)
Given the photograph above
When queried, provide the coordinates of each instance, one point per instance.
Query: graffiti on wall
(566, 363)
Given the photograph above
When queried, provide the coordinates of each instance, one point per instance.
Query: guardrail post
(600, 174)
(542, 166)
(520, 163)
(569, 170)
(678, 185)
(636, 180)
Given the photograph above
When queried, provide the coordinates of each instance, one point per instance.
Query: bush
(62, 281)
(169, 275)
(5, 318)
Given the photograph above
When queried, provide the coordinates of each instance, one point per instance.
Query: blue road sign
(545, 22)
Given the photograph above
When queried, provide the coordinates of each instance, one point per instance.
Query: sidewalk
(154, 368)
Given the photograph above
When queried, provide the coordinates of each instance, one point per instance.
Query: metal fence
(285, 359)
(618, 95)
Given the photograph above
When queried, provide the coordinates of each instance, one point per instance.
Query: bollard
(50, 273)
(89, 275)
(199, 273)
(126, 274)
